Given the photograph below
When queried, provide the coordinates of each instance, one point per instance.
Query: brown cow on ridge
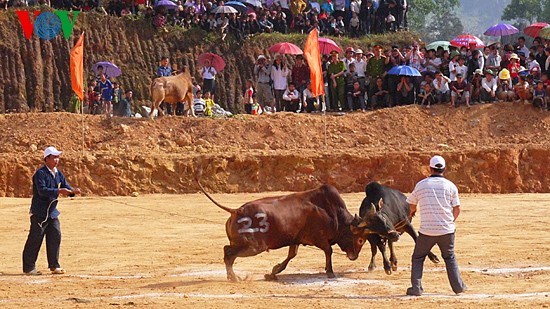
(317, 217)
(171, 90)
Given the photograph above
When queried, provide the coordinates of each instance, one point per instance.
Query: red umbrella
(285, 48)
(533, 30)
(468, 41)
(327, 45)
(213, 60)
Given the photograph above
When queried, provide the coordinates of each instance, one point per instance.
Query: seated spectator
(522, 89)
(125, 105)
(488, 87)
(539, 97)
(97, 105)
(505, 91)
(199, 105)
(426, 95)
(310, 100)
(265, 25)
(405, 91)
(460, 91)
(356, 97)
(380, 96)
(291, 99)
(475, 86)
(442, 90)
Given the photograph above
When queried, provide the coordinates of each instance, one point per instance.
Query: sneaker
(33, 272)
(57, 271)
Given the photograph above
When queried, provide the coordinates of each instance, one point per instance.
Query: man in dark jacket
(48, 183)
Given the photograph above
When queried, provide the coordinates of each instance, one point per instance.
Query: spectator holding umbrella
(279, 75)
(106, 88)
(208, 73)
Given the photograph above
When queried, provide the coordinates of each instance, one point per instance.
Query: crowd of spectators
(334, 17)
(453, 76)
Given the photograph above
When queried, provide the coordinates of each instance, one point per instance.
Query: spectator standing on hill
(300, 75)
(375, 67)
(164, 69)
(279, 75)
(437, 200)
(336, 73)
(262, 73)
(208, 73)
(106, 94)
(117, 96)
(248, 98)
(367, 16)
(48, 184)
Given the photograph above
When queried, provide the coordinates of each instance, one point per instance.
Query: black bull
(384, 215)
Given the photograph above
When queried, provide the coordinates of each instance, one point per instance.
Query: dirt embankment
(497, 148)
(35, 74)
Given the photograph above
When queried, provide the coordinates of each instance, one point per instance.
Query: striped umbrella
(467, 40)
(545, 32)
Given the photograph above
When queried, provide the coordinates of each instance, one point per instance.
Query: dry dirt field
(165, 251)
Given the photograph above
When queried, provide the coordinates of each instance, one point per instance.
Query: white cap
(358, 51)
(51, 151)
(437, 162)
(260, 57)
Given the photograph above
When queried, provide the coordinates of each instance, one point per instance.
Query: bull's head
(373, 222)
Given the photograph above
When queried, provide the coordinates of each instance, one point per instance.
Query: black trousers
(52, 230)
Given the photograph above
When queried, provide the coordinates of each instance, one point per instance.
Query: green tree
(528, 11)
(444, 27)
(425, 17)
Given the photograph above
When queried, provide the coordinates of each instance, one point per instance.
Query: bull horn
(362, 224)
(380, 203)
(372, 210)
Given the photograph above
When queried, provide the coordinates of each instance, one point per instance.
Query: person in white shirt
(522, 47)
(461, 68)
(279, 76)
(208, 73)
(489, 87)
(441, 88)
(199, 105)
(360, 67)
(453, 64)
(291, 98)
(437, 200)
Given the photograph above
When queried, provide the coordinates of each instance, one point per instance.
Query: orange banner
(77, 68)
(313, 57)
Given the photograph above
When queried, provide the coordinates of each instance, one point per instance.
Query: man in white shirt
(522, 47)
(291, 98)
(489, 87)
(439, 205)
(360, 67)
(441, 87)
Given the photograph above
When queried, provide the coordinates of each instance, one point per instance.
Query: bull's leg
(174, 106)
(231, 253)
(393, 259)
(373, 240)
(382, 247)
(292, 251)
(189, 99)
(410, 230)
(328, 258)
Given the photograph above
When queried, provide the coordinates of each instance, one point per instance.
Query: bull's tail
(197, 176)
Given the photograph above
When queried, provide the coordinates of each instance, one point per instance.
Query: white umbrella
(225, 9)
(256, 3)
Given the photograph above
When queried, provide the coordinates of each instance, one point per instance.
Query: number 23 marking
(246, 228)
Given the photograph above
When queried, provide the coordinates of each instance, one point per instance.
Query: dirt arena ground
(165, 251)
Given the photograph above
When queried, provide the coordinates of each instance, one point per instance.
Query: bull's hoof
(394, 267)
(270, 277)
(371, 269)
(232, 278)
(331, 275)
(388, 271)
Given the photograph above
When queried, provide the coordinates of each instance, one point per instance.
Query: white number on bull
(247, 223)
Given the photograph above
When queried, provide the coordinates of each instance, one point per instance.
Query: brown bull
(171, 90)
(317, 217)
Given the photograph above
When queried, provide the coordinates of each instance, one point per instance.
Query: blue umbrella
(239, 6)
(167, 3)
(110, 69)
(404, 70)
(501, 30)
(256, 3)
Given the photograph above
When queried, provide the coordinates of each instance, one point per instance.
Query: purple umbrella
(109, 69)
(167, 3)
(501, 30)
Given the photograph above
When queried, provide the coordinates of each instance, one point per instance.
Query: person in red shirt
(513, 67)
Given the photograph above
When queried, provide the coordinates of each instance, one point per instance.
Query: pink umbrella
(327, 45)
(213, 59)
(533, 30)
(468, 41)
(285, 48)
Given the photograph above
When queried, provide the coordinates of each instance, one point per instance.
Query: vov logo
(47, 25)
